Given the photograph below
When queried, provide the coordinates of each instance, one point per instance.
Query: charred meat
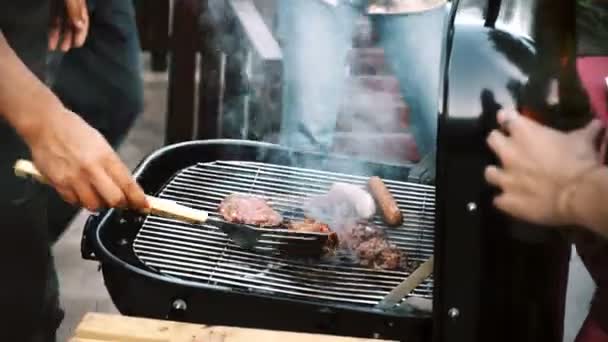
(308, 225)
(379, 253)
(313, 226)
(252, 210)
(372, 248)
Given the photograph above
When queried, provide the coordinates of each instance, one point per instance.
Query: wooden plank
(96, 327)
(256, 30)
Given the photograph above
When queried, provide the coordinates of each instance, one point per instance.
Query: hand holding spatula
(245, 236)
(158, 206)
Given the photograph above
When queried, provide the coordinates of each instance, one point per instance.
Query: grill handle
(86, 250)
(158, 206)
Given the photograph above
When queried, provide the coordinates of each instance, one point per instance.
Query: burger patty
(246, 209)
(372, 248)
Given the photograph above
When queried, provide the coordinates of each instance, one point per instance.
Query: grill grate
(204, 254)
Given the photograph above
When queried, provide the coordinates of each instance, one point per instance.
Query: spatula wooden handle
(158, 206)
(408, 285)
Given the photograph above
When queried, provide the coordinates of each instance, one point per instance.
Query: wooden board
(96, 327)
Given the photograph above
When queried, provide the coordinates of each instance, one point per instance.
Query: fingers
(510, 203)
(121, 175)
(79, 38)
(79, 18)
(67, 41)
(523, 207)
(83, 27)
(55, 34)
(74, 28)
(87, 196)
(74, 11)
(514, 123)
(111, 194)
(68, 195)
(96, 187)
(505, 118)
(502, 147)
(496, 177)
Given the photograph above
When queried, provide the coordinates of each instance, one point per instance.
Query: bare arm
(75, 158)
(24, 99)
(585, 202)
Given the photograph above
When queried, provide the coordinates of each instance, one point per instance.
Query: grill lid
(204, 254)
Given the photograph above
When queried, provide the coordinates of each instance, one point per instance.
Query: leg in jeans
(413, 46)
(101, 82)
(315, 38)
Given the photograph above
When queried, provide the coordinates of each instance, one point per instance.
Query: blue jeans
(316, 39)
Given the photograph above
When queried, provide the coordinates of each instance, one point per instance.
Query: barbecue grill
(494, 279)
(204, 254)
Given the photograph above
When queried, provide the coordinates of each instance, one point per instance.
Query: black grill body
(138, 289)
(495, 279)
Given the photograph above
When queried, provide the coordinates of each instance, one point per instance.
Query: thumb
(75, 10)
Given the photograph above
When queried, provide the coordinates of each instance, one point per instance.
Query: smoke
(372, 117)
(342, 206)
(249, 97)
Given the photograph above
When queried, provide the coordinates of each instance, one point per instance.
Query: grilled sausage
(388, 207)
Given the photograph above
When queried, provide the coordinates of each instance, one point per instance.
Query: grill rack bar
(204, 254)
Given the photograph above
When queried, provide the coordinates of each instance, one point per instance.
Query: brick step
(372, 111)
(382, 122)
(388, 148)
(368, 61)
(364, 35)
(376, 83)
(373, 104)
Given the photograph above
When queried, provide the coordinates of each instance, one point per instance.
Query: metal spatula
(265, 240)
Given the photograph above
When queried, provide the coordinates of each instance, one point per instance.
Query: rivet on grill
(471, 206)
(391, 324)
(180, 305)
(123, 242)
(122, 221)
(376, 336)
(453, 313)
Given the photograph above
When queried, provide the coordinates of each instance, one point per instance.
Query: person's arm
(585, 202)
(25, 101)
(548, 177)
(75, 158)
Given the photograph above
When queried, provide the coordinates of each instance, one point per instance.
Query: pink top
(593, 72)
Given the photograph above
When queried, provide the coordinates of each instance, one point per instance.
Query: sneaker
(424, 171)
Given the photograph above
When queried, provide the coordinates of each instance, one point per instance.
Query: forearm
(586, 202)
(24, 99)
